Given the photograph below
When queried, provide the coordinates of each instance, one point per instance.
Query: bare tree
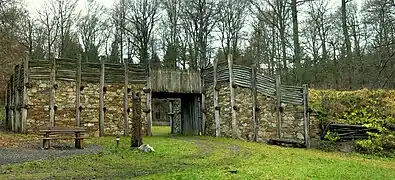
(275, 14)
(347, 41)
(139, 23)
(91, 28)
(49, 18)
(67, 16)
(295, 29)
(170, 36)
(231, 21)
(198, 20)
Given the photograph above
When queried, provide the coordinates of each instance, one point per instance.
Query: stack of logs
(347, 132)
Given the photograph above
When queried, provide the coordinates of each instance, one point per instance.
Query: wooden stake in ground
(52, 93)
(101, 101)
(254, 102)
(78, 93)
(232, 97)
(25, 95)
(278, 107)
(125, 100)
(306, 120)
(137, 139)
(216, 104)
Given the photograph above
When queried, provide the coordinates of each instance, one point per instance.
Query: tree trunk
(348, 43)
(298, 69)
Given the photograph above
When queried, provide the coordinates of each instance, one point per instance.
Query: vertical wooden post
(306, 116)
(7, 106)
(25, 95)
(278, 106)
(216, 104)
(232, 97)
(254, 102)
(52, 77)
(101, 103)
(78, 93)
(171, 115)
(18, 100)
(148, 105)
(10, 105)
(125, 99)
(12, 99)
(203, 106)
(137, 138)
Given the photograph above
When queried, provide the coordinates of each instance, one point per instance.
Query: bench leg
(78, 141)
(46, 143)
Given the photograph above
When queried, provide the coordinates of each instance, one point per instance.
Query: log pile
(347, 132)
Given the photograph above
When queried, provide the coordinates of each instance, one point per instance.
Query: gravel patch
(33, 152)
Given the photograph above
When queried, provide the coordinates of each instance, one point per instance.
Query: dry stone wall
(90, 100)
(65, 103)
(243, 98)
(266, 117)
(292, 126)
(209, 104)
(38, 103)
(225, 110)
(177, 116)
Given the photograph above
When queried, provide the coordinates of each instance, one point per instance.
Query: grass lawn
(181, 157)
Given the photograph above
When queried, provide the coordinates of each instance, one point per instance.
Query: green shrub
(371, 108)
(331, 136)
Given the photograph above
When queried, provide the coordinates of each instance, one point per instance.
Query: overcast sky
(34, 5)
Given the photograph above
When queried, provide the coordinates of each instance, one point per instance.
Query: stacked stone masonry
(292, 126)
(65, 96)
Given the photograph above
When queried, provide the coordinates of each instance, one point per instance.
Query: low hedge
(371, 108)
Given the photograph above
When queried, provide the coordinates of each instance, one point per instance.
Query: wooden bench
(48, 131)
(292, 142)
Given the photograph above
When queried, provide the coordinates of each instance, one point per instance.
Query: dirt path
(19, 155)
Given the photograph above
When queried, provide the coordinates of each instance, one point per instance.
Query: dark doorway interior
(183, 112)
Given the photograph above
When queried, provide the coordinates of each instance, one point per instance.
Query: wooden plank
(202, 107)
(216, 104)
(25, 95)
(306, 116)
(66, 65)
(232, 97)
(125, 100)
(7, 105)
(78, 93)
(91, 65)
(254, 102)
(101, 105)
(12, 108)
(292, 142)
(278, 105)
(17, 101)
(39, 70)
(52, 77)
(40, 63)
